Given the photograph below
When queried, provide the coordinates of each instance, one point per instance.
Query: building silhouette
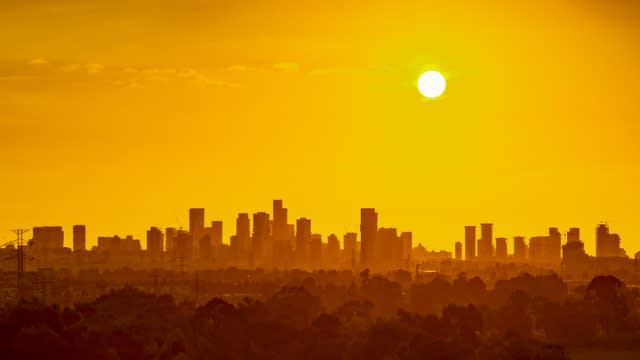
(469, 242)
(520, 248)
(303, 239)
(501, 248)
(196, 226)
(241, 244)
(170, 238)
(155, 244)
(485, 243)
(368, 233)
(260, 247)
(79, 238)
(351, 249)
(458, 251)
(607, 244)
(406, 237)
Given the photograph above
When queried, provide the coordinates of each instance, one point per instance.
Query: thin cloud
(240, 68)
(94, 68)
(287, 67)
(39, 61)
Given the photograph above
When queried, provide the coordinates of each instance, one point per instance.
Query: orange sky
(123, 114)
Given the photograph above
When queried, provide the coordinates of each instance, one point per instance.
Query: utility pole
(20, 269)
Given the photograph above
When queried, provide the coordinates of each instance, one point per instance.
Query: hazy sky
(123, 114)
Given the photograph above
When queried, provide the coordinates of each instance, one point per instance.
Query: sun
(432, 84)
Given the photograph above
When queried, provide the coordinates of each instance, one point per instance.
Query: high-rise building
(333, 251)
(485, 244)
(501, 248)
(573, 235)
(260, 248)
(368, 233)
(79, 237)
(554, 248)
(170, 238)
(519, 248)
(216, 234)
(48, 237)
(196, 225)
(458, 250)
(389, 249)
(406, 237)
(155, 242)
(350, 252)
(303, 238)
(243, 233)
(546, 248)
(315, 251)
(607, 244)
(282, 244)
(183, 246)
(469, 242)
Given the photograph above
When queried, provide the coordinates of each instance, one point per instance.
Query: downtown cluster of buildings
(546, 249)
(261, 240)
(271, 241)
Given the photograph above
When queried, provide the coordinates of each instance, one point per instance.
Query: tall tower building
(485, 244)
(333, 252)
(170, 238)
(196, 225)
(458, 251)
(315, 251)
(406, 237)
(573, 235)
(501, 248)
(351, 250)
(303, 238)
(368, 233)
(79, 237)
(607, 244)
(469, 242)
(154, 242)
(243, 231)
(260, 249)
(216, 234)
(519, 248)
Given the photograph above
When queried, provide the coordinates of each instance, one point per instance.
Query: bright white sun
(432, 84)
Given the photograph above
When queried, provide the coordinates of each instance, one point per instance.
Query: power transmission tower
(20, 270)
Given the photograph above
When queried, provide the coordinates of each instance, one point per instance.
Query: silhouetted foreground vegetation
(525, 317)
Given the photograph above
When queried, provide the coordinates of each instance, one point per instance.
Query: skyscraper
(501, 248)
(406, 237)
(79, 237)
(485, 244)
(333, 252)
(260, 238)
(519, 248)
(243, 232)
(607, 244)
(303, 238)
(469, 242)
(154, 242)
(350, 252)
(368, 233)
(170, 238)
(573, 235)
(315, 251)
(216, 234)
(196, 226)
(458, 249)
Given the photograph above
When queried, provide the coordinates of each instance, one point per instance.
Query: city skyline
(293, 239)
(129, 113)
